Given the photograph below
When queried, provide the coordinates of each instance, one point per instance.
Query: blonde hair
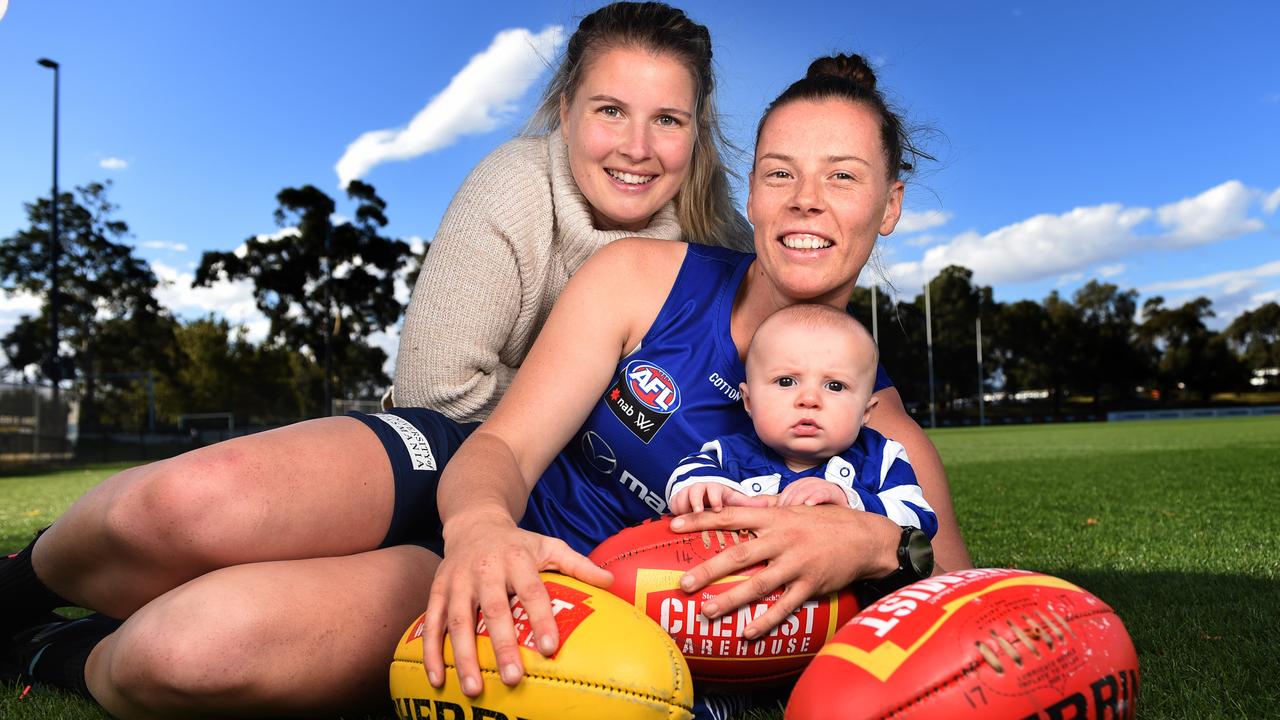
(704, 204)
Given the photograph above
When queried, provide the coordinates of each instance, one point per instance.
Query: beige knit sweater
(514, 233)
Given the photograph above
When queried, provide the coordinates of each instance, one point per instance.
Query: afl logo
(652, 386)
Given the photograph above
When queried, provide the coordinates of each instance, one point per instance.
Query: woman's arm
(463, 334)
(890, 419)
(604, 311)
(463, 309)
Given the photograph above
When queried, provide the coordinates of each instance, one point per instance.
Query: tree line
(1097, 347)
(326, 287)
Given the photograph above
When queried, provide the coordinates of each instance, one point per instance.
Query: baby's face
(808, 390)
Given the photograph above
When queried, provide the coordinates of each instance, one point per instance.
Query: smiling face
(630, 132)
(809, 386)
(820, 195)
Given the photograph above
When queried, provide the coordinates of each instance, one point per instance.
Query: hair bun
(851, 68)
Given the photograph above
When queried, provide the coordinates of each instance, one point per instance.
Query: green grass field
(1168, 521)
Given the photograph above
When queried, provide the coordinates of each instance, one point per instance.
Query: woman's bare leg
(300, 637)
(313, 489)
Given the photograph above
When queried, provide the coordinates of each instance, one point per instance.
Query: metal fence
(34, 428)
(36, 431)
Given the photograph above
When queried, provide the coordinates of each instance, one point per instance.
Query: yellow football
(613, 662)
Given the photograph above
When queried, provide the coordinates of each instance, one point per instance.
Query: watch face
(920, 553)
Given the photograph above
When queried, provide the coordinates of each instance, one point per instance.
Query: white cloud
(1039, 247)
(389, 341)
(112, 163)
(1216, 214)
(162, 245)
(917, 220)
(1053, 246)
(1272, 201)
(291, 231)
(1232, 292)
(1068, 279)
(242, 250)
(231, 300)
(476, 100)
(1231, 280)
(1107, 271)
(20, 303)
(923, 240)
(234, 300)
(13, 307)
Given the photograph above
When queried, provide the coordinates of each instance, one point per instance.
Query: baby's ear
(746, 397)
(871, 403)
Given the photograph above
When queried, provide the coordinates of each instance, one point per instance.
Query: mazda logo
(598, 452)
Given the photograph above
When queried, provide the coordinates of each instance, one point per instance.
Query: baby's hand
(813, 491)
(700, 496)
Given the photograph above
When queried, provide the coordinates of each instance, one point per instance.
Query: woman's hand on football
(489, 560)
(807, 551)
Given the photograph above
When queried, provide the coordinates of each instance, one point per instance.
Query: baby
(811, 370)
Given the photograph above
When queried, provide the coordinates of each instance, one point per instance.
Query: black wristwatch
(915, 562)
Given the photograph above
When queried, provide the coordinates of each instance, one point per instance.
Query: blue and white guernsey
(874, 474)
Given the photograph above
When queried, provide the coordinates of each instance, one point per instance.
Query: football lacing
(1064, 624)
(990, 656)
(1049, 623)
(1024, 638)
(1035, 630)
(1008, 648)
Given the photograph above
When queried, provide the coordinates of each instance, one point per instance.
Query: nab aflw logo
(643, 397)
(652, 386)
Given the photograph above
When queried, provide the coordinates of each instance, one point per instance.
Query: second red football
(647, 562)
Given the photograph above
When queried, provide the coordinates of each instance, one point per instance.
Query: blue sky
(1133, 142)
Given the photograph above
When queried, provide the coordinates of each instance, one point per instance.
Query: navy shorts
(419, 442)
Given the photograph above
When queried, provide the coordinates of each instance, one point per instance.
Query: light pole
(928, 338)
(875, 319)
(55, 363)
(328, 318)
(982, 409)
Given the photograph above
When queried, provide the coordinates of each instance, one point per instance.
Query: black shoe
(13, 634)
(19, 658)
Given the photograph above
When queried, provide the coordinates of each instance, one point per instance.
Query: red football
(647, 561)
(976, 644)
